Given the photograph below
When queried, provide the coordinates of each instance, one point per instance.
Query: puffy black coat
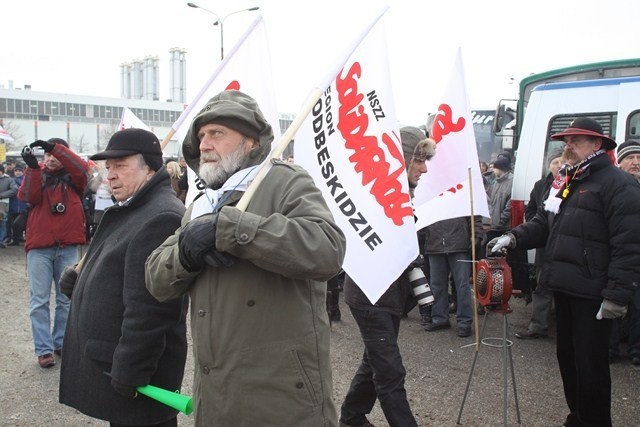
(115, 325)
(593, 244)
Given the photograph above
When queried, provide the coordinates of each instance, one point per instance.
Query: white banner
(247, 68)
(350, 144)
(130, 120)
(5, 135)
(444, 191)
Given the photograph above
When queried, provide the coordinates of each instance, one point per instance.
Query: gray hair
(556, 152)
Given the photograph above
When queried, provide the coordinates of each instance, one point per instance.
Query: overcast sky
(77, 46)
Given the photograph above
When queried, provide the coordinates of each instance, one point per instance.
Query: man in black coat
(591, 233)
(118, 335)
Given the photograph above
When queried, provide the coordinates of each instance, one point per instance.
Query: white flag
(5, 135)
(443, 192)
(247, 67)
(130, 120)
(350, 144)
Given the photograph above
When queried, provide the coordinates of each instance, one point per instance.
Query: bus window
(633, 126)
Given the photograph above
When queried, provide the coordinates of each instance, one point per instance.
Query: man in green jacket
(256, 278)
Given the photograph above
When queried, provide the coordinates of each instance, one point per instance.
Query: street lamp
(221, 21)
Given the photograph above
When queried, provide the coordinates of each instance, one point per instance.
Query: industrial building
(87, 122)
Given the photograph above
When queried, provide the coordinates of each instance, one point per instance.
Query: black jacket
(593, 244)
(115, 325)
(392, 301)
(452, 235)
(537, 197)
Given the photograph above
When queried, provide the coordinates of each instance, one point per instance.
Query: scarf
(561, 186)
(209, 202)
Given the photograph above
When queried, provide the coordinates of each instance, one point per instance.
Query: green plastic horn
(173, 399)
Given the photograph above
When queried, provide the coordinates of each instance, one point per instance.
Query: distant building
(86, 122)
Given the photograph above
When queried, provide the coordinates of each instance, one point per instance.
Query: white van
(613, 102)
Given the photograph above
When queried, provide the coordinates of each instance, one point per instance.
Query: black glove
(46, 146)
(125, 390)
(197, 245)
(216, 258)
(68, 280)
(29, 158)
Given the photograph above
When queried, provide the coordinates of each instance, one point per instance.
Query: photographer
(381, 373)
(55, 229)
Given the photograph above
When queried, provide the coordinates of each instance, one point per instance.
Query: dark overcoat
(115, 325)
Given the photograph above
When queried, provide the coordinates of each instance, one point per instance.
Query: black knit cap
(132, 141)
(503, 163)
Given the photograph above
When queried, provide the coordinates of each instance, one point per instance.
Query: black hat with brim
(588, 127)
(132, 141)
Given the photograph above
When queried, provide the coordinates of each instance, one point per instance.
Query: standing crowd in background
(264, 269)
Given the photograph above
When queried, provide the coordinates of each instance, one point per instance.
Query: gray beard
(214, 175)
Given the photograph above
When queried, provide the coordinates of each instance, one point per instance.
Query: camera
(420, 286)
(27, 150)
(58, 208)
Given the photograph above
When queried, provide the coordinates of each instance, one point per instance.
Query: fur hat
(425, 150)
(589, 127)
(132, 141)
(410, 136)
(628, 147)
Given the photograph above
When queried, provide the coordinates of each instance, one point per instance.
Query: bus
(511, 112)
(608, 92)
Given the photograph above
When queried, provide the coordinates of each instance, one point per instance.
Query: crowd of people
(128, 260)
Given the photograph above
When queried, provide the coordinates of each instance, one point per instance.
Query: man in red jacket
(55, 229)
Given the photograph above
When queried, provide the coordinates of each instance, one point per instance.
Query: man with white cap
(589, 228)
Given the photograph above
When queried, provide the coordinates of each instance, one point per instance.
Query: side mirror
(504, 115)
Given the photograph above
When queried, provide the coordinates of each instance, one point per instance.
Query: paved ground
(438, 366)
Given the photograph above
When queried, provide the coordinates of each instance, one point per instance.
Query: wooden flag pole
(473, 262)
(167, 138)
